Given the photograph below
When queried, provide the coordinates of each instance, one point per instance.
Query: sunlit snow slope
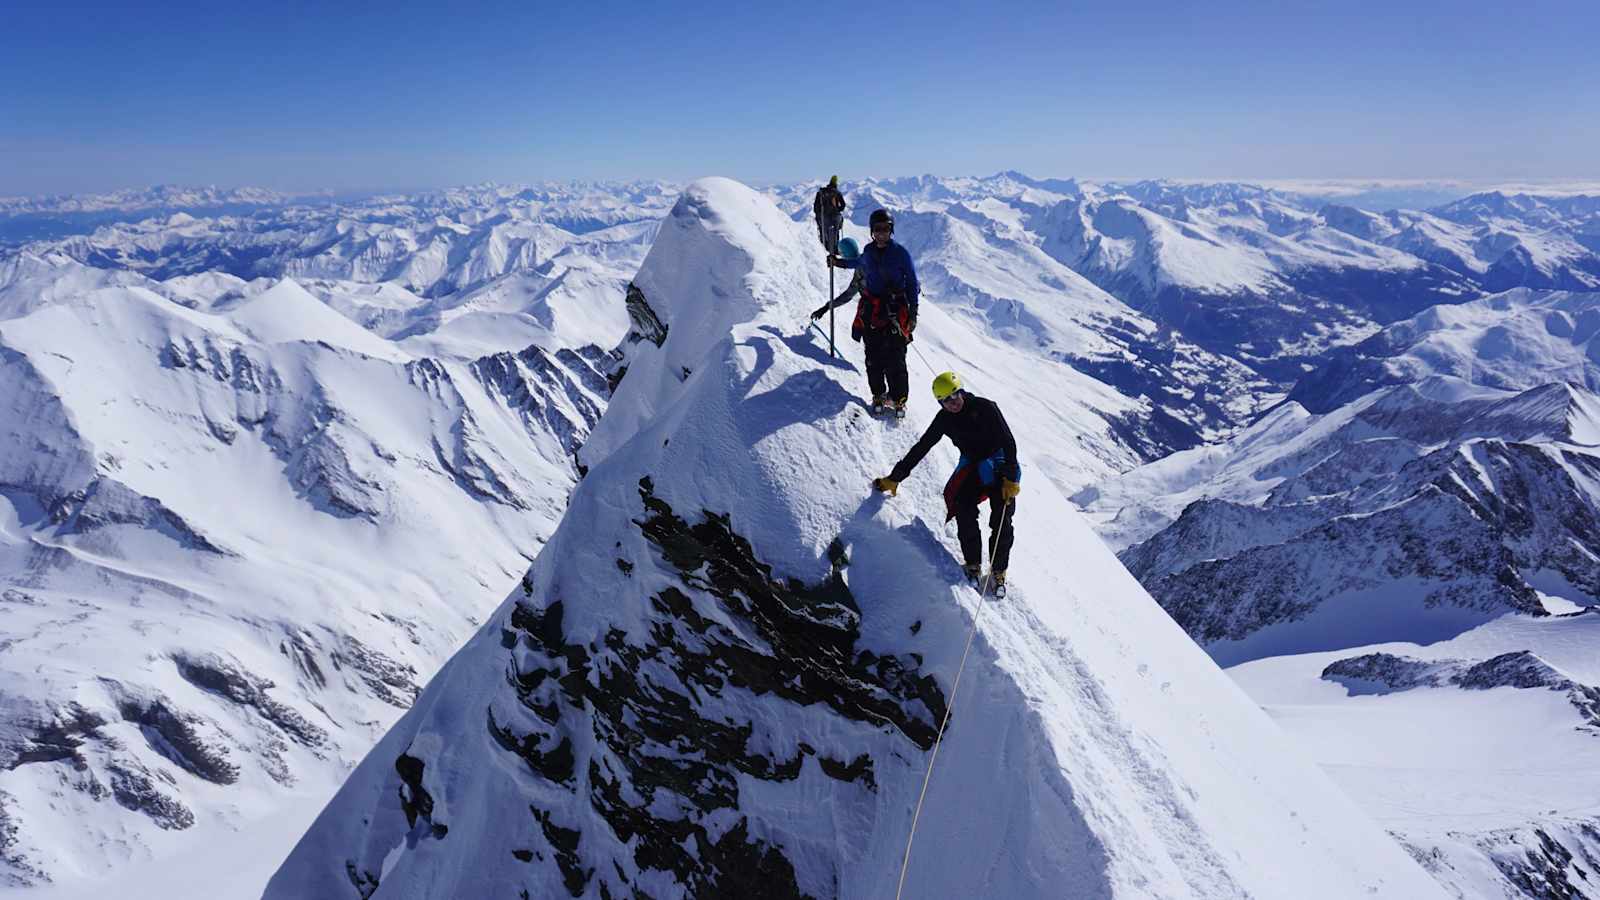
(721, 676)
(237, 534)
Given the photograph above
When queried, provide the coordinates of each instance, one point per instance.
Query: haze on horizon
(111, 97)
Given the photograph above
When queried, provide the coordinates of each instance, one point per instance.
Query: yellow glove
(888, 487)
(1009, 490)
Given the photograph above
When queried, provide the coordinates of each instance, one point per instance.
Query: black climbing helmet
(881, 217)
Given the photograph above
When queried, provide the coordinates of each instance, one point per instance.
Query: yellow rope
(983, 593)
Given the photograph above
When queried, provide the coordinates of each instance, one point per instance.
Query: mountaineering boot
(974, 573)
(900, 408)
(999, 578)
(877, 405)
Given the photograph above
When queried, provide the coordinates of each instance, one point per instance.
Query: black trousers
(828, 232)
(886, 364)
(966, 506)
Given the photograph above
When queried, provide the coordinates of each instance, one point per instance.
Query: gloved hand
(819, 312)
(885, 485)
(911, 326)
(1009, 489)
(833, 261)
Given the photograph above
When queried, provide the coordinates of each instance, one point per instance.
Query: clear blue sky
(375, 96)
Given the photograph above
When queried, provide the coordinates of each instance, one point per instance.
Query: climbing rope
(925, 363)
(927, 776)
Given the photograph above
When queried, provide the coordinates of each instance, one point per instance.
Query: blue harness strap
(985, 471)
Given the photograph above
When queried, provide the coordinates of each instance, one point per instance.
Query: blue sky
(295, 97)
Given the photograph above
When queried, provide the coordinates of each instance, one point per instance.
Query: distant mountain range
(1424, 533)
(135, 200)
(302, 446)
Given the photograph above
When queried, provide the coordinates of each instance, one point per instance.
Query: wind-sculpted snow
(722, 675)
(695, 284)
(237, 533)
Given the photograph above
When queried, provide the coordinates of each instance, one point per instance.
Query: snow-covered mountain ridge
(1463, 500)
(1409, 576)
(493, 294)
(243, 444)
(1200, 300)
(722, 674)
(1523, 670)
(237, 534)
(1513, 341)
(1271, 278)
(161, 196)
(471, 270)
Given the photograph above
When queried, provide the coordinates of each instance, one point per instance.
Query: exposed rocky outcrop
(654, 750)
(1522, 669)
(1412, 496)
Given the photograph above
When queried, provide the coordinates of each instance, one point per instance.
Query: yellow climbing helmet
(945, 385)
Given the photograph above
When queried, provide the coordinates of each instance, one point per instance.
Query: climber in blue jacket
(886, 314)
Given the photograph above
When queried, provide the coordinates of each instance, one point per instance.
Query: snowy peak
(1549, 413)
(237, 532)
(1545, 212)
(727, 661)
(1364, 491)
(1498, 241)
(448, 250)
(1174, 198)
(287, 312)
(29, 282)
(720, 221)
(1230, 269)
(1511, 341)
(725, 256)
(1361, 223)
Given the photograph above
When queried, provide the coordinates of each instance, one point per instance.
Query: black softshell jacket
(978, 431)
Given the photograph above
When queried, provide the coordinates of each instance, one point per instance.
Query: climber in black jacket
(988, 470)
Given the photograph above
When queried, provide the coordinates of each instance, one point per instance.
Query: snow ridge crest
(687, 655)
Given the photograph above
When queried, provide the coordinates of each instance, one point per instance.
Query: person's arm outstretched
(919, 449)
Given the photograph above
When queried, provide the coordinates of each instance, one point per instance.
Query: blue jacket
(887, 272)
